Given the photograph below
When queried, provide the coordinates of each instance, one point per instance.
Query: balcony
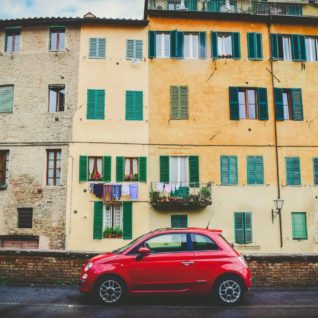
(180, 197)
(230, 6)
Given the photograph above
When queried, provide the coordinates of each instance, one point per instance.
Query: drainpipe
(269, 23)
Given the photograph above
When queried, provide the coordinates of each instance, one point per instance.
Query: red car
(169, 261)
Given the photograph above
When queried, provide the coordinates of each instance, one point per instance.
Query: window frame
(134, 43)
(58, 30)
(15, 43)
(179, 182)
(12, 101)
(245, 90)
(304, 238)
(244, 228)
(192, 49)
(185, 218)
(280, 47)
(293, 172)
(163, 48)
(55, 169)
(205, 236)
(316, 48)
(131, 169)
(221, 36)
(95, 166)
(228, 157)
(57, 108)
(20, 220)
(289, 104)
(112, 216)
(5, 158)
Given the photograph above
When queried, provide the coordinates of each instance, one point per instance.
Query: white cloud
(13, 9)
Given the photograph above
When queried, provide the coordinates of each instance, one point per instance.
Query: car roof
(188, 229)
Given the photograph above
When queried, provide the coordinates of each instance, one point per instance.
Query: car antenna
(209, 220)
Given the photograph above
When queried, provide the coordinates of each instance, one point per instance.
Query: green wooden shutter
(101, 48)
(298, 47)
(262, 104)
(90, 104)
(215, 6)
(139, 49)
(142, 175)
(202, 41)
(259, 46)
(299, 225)
(315, 169)
(274, 46)
(180, 40)
(100, 104)
(83, 168)
(119, 169)
(127, 220)
(174, 102)
(6, 99)
(279, 105)
(224, 170)
(107, 169)
(248, 227)
(254, 42)
(234, 103)
(98, 221)
(130, 49)
(152, 44)
(233, 177)
(297, 104)
(236, 49)
(164, 169)
(251, 173)
(183, 102)
(239, 227)
(139, 105)
(293, 176)
(194, 171)
(179, 221)
(130, 100)
(174, 43)
(191, 5)
(259, 170)
(214, 45)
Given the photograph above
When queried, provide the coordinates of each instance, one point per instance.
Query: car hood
(102, 258)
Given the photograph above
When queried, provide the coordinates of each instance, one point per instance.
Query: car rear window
(203, 243)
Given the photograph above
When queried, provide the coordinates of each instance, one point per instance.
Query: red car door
(169, 268)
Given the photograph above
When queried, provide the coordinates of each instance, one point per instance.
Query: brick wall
(24, 267)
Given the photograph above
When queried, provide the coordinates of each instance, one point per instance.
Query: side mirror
(144, 251)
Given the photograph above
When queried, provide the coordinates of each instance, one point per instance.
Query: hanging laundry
(91, 187)
(159, 187)
(98, 190)
(125, 189)
(107, 197)
(168, 188)
(116, 192)
(133, 189)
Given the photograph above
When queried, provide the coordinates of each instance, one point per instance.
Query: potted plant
(107, 232)
(118, 231)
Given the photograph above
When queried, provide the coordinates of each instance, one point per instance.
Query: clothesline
(114, 192)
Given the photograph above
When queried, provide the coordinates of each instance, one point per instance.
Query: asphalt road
(67, 302)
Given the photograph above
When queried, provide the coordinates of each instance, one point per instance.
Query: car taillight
(243, 261)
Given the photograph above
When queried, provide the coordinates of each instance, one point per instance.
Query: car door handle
(187, 263)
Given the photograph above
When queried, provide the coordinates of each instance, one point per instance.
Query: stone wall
(30, 130)
(25, 267)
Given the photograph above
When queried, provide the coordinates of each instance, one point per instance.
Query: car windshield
(124, 248)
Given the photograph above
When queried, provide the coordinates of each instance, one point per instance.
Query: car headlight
(88, 266)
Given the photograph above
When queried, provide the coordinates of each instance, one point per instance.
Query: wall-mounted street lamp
(278, 206)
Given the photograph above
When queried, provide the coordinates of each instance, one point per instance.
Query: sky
(13, 9)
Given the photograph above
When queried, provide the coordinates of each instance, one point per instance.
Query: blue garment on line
(116, 192)
(133, 189)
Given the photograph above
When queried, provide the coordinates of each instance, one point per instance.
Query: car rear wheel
(110, 290)
(228, 290)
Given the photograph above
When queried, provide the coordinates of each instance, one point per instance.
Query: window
(243, 227)
(6, 99)
(179, 221)
(97, 48)
(134, 49)
(203, 243)
(56, 98)
(25, 216)
(311, 49)
(315, 169)
(54, 158)
(162, 45)
(179, 170)
(255, 170)
(229, 170)
(288, 104)
(293, 171)
(284, 47)
(95, 104)
(299, 225)
(168, 243)
(12, 40)
(57, 39)
(179, 102)
(174, 4)
(95, 168)
(131, 169)
(4, 165)
(113, 216)
(191, 46)
(254, 43)
(248, 103)
(134, 105)
(225, 45)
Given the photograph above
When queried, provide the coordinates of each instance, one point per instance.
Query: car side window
(175, 242)
(203, 243)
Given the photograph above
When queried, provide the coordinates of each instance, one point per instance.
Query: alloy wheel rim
(110, 291)
(230, 291)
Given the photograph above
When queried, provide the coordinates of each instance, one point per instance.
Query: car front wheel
(110, 290)
(228, 290)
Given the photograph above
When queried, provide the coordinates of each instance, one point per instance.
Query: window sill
(245, 246)
(112, 237)
(57, 51)
(96, 58)
(3, 186)
(229, 185)
(300, 239)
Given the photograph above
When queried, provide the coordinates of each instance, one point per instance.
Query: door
(168, 268)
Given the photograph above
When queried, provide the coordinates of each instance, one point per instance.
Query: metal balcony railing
(230, 6)
(169, 196)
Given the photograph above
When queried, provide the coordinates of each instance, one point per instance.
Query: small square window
(25, 216)
(56, 98)
(57, 39)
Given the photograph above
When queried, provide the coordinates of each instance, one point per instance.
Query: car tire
(228, 290)
(110, 290)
